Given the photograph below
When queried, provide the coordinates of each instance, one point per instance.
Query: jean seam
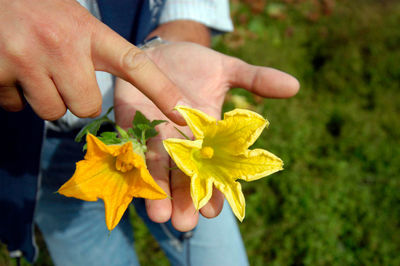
(188, 252)
(173, 240)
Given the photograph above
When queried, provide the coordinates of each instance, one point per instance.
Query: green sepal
(131, 133)
(139, 148)
(143, 128)
(124, 135)
(157, 122)
(110, 138)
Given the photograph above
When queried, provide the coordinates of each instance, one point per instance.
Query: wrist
(183, 31)
(152, 42)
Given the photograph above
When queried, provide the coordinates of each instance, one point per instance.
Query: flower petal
(230, 188)
(239, 129)
(249, 166)
(200, 190)
(96, 149)
(196, 120)
(136, 183)
(143, 185)
(180, 151)
(84, 184)
(116, 205)
(233, 194)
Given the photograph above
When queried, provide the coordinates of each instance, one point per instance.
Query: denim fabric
(133, 20)
(76, 234)
(21, 134)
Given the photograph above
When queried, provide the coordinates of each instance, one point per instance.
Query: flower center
(125, 161)
(207, 152)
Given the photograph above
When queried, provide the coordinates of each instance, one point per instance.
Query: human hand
(204, 77)
(49, 50)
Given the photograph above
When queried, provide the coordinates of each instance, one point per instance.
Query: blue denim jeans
(76, 234)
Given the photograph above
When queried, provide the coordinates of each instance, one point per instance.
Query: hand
(204, 77)
(49, 50)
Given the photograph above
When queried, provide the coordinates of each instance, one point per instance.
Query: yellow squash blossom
(219, 155)
(114, 173)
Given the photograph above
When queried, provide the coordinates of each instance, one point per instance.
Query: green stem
(183, 134)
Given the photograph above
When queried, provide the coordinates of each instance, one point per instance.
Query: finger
(114, 54)
(184, 215)
(126, 104)
(214, 207)
(159, 211)
(77, 85)
(42, 95)
(264, 81)
(11, 99)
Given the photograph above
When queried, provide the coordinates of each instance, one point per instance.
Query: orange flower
(114, 173)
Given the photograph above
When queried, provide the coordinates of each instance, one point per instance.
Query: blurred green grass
(338, 200)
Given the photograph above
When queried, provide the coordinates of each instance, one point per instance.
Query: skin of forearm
(183, 31)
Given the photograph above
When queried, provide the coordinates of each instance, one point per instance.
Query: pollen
(207, 152)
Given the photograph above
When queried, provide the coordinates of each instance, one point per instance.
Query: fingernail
(179, 118)
(182, 102)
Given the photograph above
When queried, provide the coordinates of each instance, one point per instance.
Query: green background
(338, 200)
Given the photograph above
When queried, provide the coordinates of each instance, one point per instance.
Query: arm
(184, 31)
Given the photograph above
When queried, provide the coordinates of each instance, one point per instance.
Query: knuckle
(15, 51)
(134, 60)
(83, 97)
(46, 106)
(51, 36)
(51, 113)
(170, 88)
(88, 108)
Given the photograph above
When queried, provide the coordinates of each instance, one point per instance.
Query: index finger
(113, 54)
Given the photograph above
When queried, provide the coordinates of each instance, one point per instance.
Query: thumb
(113, 54)
(263, 81)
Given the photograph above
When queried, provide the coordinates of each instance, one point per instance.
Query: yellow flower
(114, 173)
(220, 155)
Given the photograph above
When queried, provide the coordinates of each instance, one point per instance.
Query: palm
(204, 76)
(198, 71)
